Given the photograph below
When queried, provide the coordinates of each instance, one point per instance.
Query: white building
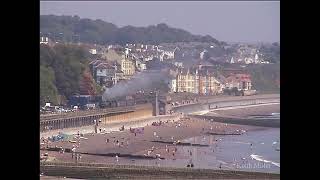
(248, 60)
(93, 51)
(167, 53)
(148, 58)
(232, 61)
(173, 85)
(256, 59)
(178, 64)
(143, 66)
(202, 54)
(44, 40)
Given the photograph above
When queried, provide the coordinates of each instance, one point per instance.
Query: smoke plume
(140, 81)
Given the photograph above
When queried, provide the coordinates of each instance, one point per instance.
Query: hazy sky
(225, 21)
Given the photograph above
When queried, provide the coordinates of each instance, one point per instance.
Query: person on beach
(117, 158)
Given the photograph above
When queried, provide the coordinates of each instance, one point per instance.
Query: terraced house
(196, 81)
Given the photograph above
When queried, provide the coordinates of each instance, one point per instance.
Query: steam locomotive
(117, 102)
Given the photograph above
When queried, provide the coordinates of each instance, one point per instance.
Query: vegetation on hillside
(61, 71)
(271, 52)
(265, 78)
(71, 28)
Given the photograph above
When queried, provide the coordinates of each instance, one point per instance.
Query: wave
(259, 158)
(275, 114)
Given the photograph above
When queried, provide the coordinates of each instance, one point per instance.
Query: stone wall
(141, 112)
(143, 172)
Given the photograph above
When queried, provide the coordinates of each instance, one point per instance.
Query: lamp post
(157, 103)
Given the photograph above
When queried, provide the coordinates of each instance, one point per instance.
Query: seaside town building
(239, 81)
(44, 40)
(105, 73)
(127, 67)
(197, 81)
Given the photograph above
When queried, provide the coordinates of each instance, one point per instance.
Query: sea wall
(221, 103)
(97, 171)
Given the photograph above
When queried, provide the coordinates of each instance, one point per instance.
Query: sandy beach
(140, 148)
(141, 143)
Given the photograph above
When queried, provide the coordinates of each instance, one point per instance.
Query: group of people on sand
(118, 143)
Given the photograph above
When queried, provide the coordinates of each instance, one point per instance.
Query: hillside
(63, 73)
(265, 78)
(73, 28)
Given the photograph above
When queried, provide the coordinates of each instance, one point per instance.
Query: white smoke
(140, 81)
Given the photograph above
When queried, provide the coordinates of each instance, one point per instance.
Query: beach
(229, 148)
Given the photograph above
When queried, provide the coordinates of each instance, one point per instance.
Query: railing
(87, 113)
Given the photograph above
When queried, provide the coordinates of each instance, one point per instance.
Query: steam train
(119, 102)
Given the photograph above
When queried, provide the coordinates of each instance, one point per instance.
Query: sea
(255, 150)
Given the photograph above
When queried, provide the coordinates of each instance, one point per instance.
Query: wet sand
(247, 111)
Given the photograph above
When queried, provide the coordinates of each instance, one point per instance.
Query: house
(187, 81)
(106, 73)
(203, 53)
(167, 53)
(128, 67)
(172, 85)
(239, 81)
(100, 73)
(44, 40)
(140, 65)
(196, 80)
(93, 51)
(208, 84)
(178, 64)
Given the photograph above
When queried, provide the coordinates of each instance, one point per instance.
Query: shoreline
(140, 144)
